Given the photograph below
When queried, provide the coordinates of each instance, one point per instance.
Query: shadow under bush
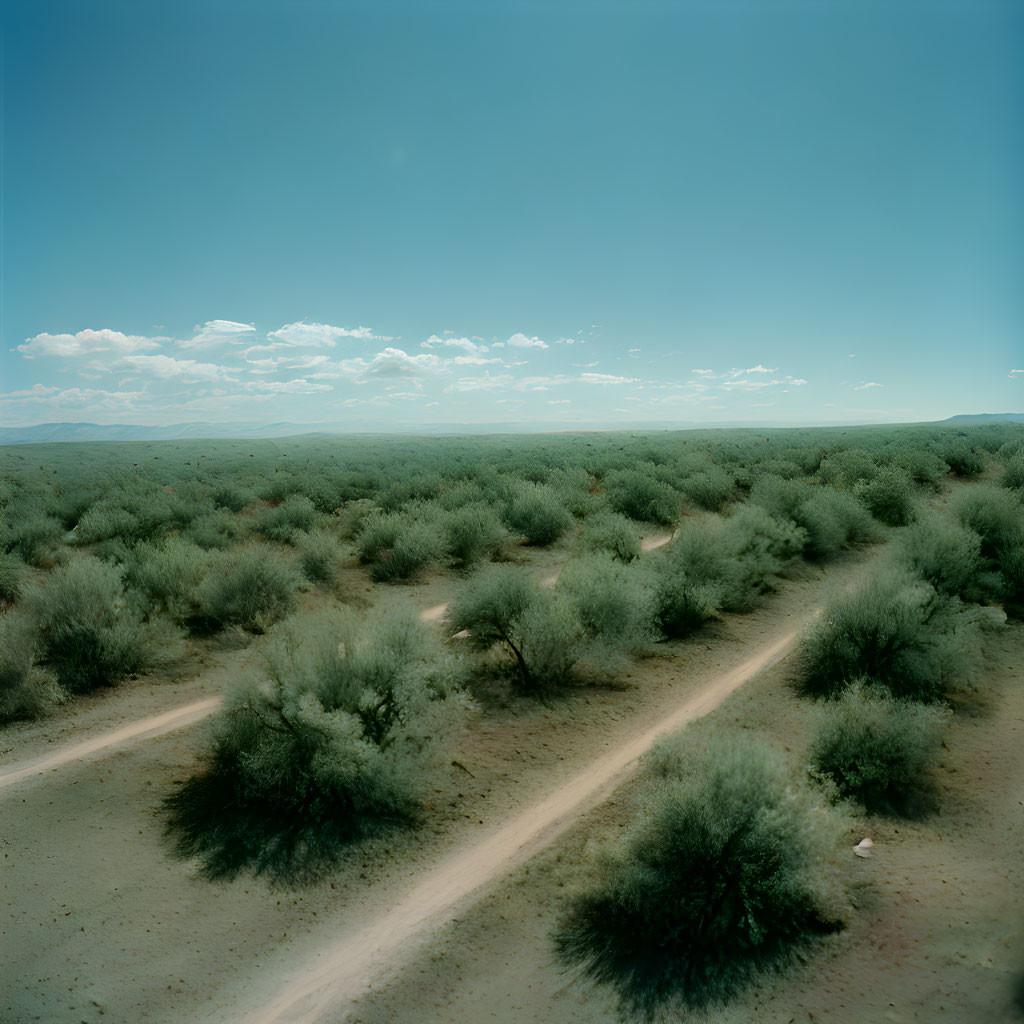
(332, 746)
(730, 870)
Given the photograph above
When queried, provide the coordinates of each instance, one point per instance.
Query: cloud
(321, 335)
(301, 386)
(217, 332)
(869, 384)
(522, 341)
(395, 362)
(604, 378)
(761, 369)
(168, 368)
(471, 348)
(485, 383)
(703, 373)
(85, 343)
(559, 401)
(1014, 373)
(36, 391)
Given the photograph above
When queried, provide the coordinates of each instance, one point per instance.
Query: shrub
(889, 497)
(833, 520)
(105, 521)
(612, 533)
(250, 587)
(12, 578)
(730, 871)
(26, 691)
(87, 632)
(35, 538)
(690, 579)
(947, 555)
(537, 514)
(846, 468)
(1013, 474)
(499, 605)
(997, 516)
(396, 547)
(895, 632)
(216, 530)
(963, 460)
(709, 488)
(319, 555)
(877, 750)
(472, 533)
(281, 522)
(642, 497)
(332, 746)
(167, 574)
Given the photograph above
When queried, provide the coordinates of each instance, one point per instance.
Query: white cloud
(471, 348)
(218, 332)
(761, 369)
(167, 368)
(485, 383)
(301, 386)
(519, 340)
(605, 378)
(559, 401)
(36, 391)
(869, 384)
(703, 373)
(1014, 373)
(85, 343)
(395, 362)
(321, 335)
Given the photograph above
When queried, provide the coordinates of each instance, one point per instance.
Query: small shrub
(709, 488)
(167, 574)
(12, 578)
(537, 514)
(730, 871)
(319, 554)
(878, 751)
(250, 587)
(963, 460)
(282, 522)
(1013, 474)
(895, 632)
(106, 521)
(833, 520)
(612, 533)
(35, 539)
(642, 497)
(947, 555)
(889, 497)
(472, 533)
(26, 691)
(332, 746)
(87, 632)
(217, 530)
(397, 547)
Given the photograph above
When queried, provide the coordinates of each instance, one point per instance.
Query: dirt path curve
(345, 970)
(186, 715)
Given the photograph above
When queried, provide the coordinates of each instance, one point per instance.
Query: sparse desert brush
(231, 497)
(877, 750)
(730, 870)
(833, 520)
(333, 744)
(613, 533)
(105, 521)
(26, 690)
(963, 459)
(847, 468)
(281, 522)
(762, 544)
(472, 533)
(924, 467)
(537, 628)
(895, 632)
(996, 515)
(217, 530)
(709, 488)
(689, 579)
(167, 575)
(396, 546)
(889, 497)
(1013, 473)
(613, 603)
(536, 513)
(250, 587)
(319, 555)
(13, 573)
(86, 630)
(947, 555)
(35, 538)
(642, 497)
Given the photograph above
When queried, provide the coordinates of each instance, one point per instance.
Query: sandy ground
(939, 935)
(101, 923)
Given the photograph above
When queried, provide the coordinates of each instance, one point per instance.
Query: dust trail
(145, 728)
(344, 971)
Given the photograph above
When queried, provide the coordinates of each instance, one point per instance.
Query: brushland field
(404, 641)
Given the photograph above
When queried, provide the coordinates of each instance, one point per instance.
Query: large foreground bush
(729, 871)
(895, 632)
(332, 745)
(878, 751)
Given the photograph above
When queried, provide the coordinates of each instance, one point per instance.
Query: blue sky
(414, 213)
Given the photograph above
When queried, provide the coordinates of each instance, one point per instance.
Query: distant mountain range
(49, 432)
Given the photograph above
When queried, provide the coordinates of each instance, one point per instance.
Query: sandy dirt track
(344, 970)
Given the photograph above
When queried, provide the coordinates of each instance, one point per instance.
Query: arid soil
(101, 923)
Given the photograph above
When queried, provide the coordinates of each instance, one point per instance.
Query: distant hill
(966, 419)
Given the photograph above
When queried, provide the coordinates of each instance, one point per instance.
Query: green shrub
(833, 520)
(996, 515)
(88, 634)
(167, 575)
(878, 751)
(12, 578)
(690, 579)
(26, 691)
(334, 745)
(217, 530)
(895, 632)
(610, 532)
(250, 587)
(500, 605)
(642, 497)
(536, 513)
(947, 555)
(963, 460)
(397, 547)
(847, 468)
(319, 555)
(1013, 473)
(729, 872)
(35, 538)
(231, 497)
(889, 497)
(472, 533)
(709, 488)
(281, 522)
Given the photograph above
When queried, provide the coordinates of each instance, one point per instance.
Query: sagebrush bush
(731, 869)
(896, 632)
(167, 575)
(86, 630)
(217, 530)
(250, 587)
(472, 533)
(500, 605)
(334, 744)
(13, 574)
(642, 496)
(282, 522)
(877, 750)
(1013, 473)
(833, 520)
(996, 515)
(536, 513)
(709, 488)
(26, 691)
(889, 497)
(608, 531)
(947, 555)
(319, 555)
(963, 460)
(397, 547)
(35, 538)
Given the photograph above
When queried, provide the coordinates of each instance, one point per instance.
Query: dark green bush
(613, 533)
(167, 575)
(833, 521)
(895, 632)
(536, 513)
(217, 530)
(13, 574)
(996, 515)
(282, 522)
(642, 496)
(472, 533)
(35, 538)
(889, 497)
(250, 587)
(729, 872)
(878, 751)
(537, 628)
(847, 468)
(319, 555)
(963, 460)
(947, 555)
(1013, 473)
(397, 547)
(87, 632)
(334, 745)
(26, 691)
(709, 488)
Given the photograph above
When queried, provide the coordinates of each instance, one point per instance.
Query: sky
(406, 214)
